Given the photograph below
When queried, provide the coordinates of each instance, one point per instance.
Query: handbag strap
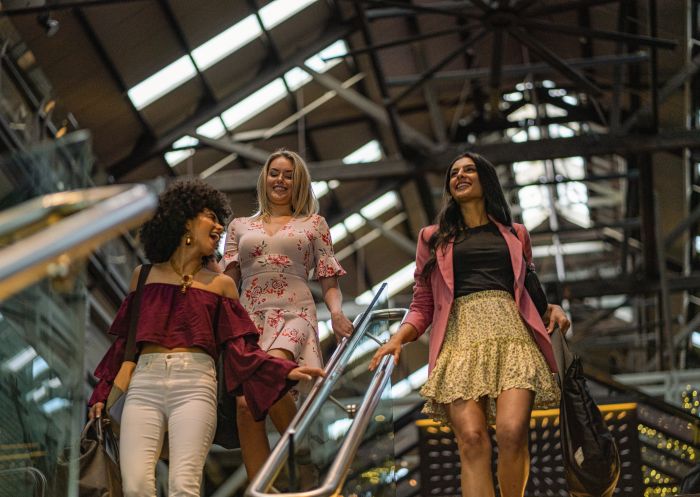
(130, 353)
(562, 354)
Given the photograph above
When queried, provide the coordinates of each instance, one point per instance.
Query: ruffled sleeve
(231, 245)
(326, 265)
(248, 370)
(109, 366)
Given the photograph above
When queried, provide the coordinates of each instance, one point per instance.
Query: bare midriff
(154, 348)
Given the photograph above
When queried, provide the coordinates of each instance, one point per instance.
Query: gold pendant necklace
(187, 279)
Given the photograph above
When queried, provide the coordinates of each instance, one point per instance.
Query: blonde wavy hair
(304, 202)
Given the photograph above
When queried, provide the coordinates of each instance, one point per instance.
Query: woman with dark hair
(490, 356)
(188, 316)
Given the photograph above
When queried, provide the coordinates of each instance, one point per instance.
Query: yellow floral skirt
(487, 349)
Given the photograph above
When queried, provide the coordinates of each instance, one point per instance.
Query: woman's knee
(512, 436)
(473, 442)
(138, 483)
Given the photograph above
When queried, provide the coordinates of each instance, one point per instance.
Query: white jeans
(173, 392)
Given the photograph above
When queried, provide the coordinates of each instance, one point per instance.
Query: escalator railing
(48, 248)
(42, 324)
(328, 440)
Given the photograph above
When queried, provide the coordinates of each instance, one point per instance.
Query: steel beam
(241, 180)
(373, 110)
(672, 85)
(243, 149)
(553, 59)
(627, 286)
(519, 71)
(583, 145)
(498, 153)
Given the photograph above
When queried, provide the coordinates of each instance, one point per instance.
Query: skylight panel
(279, 11)
(162, 82)
(177, 156)
(395, 283)
(369, 152)
(296, 78)
(338, 232)
(213, 128)
(379, 206)
(317, 62)
(174, 157)
(320, 188)
(253, 104)
(226, 42)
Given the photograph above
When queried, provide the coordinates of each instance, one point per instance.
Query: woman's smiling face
(206, 232)
(464, 181)
(279, 181)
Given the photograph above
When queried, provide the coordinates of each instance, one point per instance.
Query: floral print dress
(275, 272)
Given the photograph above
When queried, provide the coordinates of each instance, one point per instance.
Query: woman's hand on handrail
(392, 347)
(305, 373)
(407, 333)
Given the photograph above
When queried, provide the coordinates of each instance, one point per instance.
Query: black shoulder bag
(591, 458)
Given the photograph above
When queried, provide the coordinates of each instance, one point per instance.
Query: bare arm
(332, 296)
(233, 270)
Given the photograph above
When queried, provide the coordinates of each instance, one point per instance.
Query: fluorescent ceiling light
(213, 128)
(395, 283)
(226, 42)
(162, 82)
(275, 13)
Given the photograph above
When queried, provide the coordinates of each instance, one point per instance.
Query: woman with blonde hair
(271, 255)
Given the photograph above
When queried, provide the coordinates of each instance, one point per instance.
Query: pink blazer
(432, 302)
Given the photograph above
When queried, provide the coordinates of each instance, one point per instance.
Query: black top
(481, 261)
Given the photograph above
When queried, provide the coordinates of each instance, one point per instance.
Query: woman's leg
(468, 420)
(141, 435)
(191, 425)
(255, 446)
(513, 409)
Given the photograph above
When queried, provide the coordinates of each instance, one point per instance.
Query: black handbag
(591, 458)
(98, 463)
(226, 434)
(532, 281)
(534, 288)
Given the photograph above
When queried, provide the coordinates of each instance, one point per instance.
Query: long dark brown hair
(449, 219)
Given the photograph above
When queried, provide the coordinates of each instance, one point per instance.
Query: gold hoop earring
(188, 239)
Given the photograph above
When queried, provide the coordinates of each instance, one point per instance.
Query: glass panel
(372, 472)
(46, 168)
(41, 387)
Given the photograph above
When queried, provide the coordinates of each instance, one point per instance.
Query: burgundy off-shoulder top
(173, 319)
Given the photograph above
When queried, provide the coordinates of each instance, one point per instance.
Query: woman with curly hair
(490, 356)
(272, 253)
(188, 316)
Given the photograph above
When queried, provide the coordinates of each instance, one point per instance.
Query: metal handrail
(105, 212)
(340, 466)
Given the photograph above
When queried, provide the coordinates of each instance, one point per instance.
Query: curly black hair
(181, 201)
